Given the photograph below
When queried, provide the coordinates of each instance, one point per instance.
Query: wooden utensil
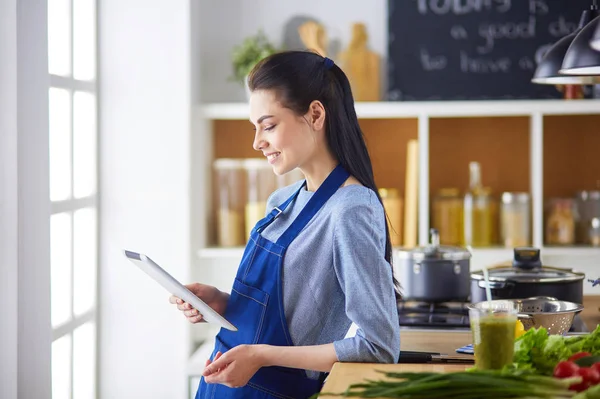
(361, 65)
(410, 193)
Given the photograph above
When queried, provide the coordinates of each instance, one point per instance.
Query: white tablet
(174, 287)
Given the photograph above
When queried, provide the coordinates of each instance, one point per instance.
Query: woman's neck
(317, 170)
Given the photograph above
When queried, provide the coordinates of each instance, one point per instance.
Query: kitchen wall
(8, 199)
(245, 18)
(25, 334)
(144, 128)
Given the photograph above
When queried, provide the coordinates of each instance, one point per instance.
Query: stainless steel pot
(435, 273)
(526, 277)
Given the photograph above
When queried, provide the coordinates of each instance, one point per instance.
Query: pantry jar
(588, 209)
(261, 182)
(393, 205)
(448, 216)
(515, 220)
(229, 179)
(560, 224)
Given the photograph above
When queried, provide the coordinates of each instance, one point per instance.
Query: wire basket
(554, 315)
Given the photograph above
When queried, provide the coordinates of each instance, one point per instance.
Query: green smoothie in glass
(493, 334)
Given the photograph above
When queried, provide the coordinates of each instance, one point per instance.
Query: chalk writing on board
(473, 49)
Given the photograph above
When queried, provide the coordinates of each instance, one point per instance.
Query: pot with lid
(435, 273)
(526, 277)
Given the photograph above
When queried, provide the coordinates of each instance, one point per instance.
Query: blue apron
(255, 306)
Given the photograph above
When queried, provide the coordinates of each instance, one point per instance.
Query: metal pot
(435, 273)
(528, 278)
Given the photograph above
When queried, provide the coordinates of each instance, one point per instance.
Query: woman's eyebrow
(262, 118)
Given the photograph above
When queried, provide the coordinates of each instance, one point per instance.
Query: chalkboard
(473, 49)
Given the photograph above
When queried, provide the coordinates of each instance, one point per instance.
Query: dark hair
(300, 77)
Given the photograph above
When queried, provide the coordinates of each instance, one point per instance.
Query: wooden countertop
(444, 341)
(344, 374)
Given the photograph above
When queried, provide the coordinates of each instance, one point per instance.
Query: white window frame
(73, 204)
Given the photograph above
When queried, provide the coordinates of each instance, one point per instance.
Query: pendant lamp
(595, 43)
(581, 59)
(549, 69)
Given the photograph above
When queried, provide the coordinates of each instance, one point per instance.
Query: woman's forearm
(317, 358)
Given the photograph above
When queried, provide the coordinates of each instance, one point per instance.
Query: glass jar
(588, 208)
(560, 224)
(448, 216)
(515, 220)
(230, 201)
(261, 182)
(393, 205)
(479, 212)
(594, 232)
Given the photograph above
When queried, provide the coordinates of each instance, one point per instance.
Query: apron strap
(335, 179)
(275, 212)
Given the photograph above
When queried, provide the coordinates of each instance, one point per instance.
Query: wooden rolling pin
(411, 194)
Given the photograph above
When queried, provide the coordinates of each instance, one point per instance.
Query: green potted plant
(246, 55)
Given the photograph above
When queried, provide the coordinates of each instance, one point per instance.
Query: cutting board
(361, 66)
(344, 374)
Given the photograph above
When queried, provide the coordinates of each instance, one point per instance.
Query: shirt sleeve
(366, 280)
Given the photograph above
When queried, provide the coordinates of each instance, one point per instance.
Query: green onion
(462, 385)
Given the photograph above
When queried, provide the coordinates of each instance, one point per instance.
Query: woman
(319, 260)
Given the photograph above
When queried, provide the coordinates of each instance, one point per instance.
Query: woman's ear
(316, 115)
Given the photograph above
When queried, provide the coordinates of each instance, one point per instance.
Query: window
(73, 174)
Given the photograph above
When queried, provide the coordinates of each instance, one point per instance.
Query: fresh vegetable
(463, 385)
(579, 356)
(592, 393)
(537, 351)
(587, 361)
(569, 368)
(565, 369)
(519, 329)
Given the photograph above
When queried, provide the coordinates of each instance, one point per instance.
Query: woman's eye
(269, 128)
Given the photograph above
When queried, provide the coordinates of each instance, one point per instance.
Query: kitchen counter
(427, 340)
(344, 374)
(591, 312)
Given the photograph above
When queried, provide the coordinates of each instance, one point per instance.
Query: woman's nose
(259, 143)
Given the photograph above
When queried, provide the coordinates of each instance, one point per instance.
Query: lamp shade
(581, 58)
(548, 69)
(595, 43)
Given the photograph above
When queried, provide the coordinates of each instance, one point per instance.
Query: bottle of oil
(478, 210)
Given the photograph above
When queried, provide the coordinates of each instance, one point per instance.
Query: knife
(431, 357)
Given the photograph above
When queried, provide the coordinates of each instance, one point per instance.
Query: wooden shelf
(435, 109)
(387, 143)
(571, 154)
(499, 144)
(545, 147)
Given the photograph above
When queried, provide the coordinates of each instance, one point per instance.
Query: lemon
(519, 329)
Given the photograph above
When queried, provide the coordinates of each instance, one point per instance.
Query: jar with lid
(560, 225)
(588, 208)
(229, 177)
(515, 219)
(261, 182)
(393, 205)
(448, 216)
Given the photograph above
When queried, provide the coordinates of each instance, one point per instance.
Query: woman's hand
(214, 298)
(235, 367)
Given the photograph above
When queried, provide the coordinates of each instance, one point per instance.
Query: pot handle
(547, 298)
(524, 316)
(494, 285)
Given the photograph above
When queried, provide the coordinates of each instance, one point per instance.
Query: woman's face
(286, 139)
